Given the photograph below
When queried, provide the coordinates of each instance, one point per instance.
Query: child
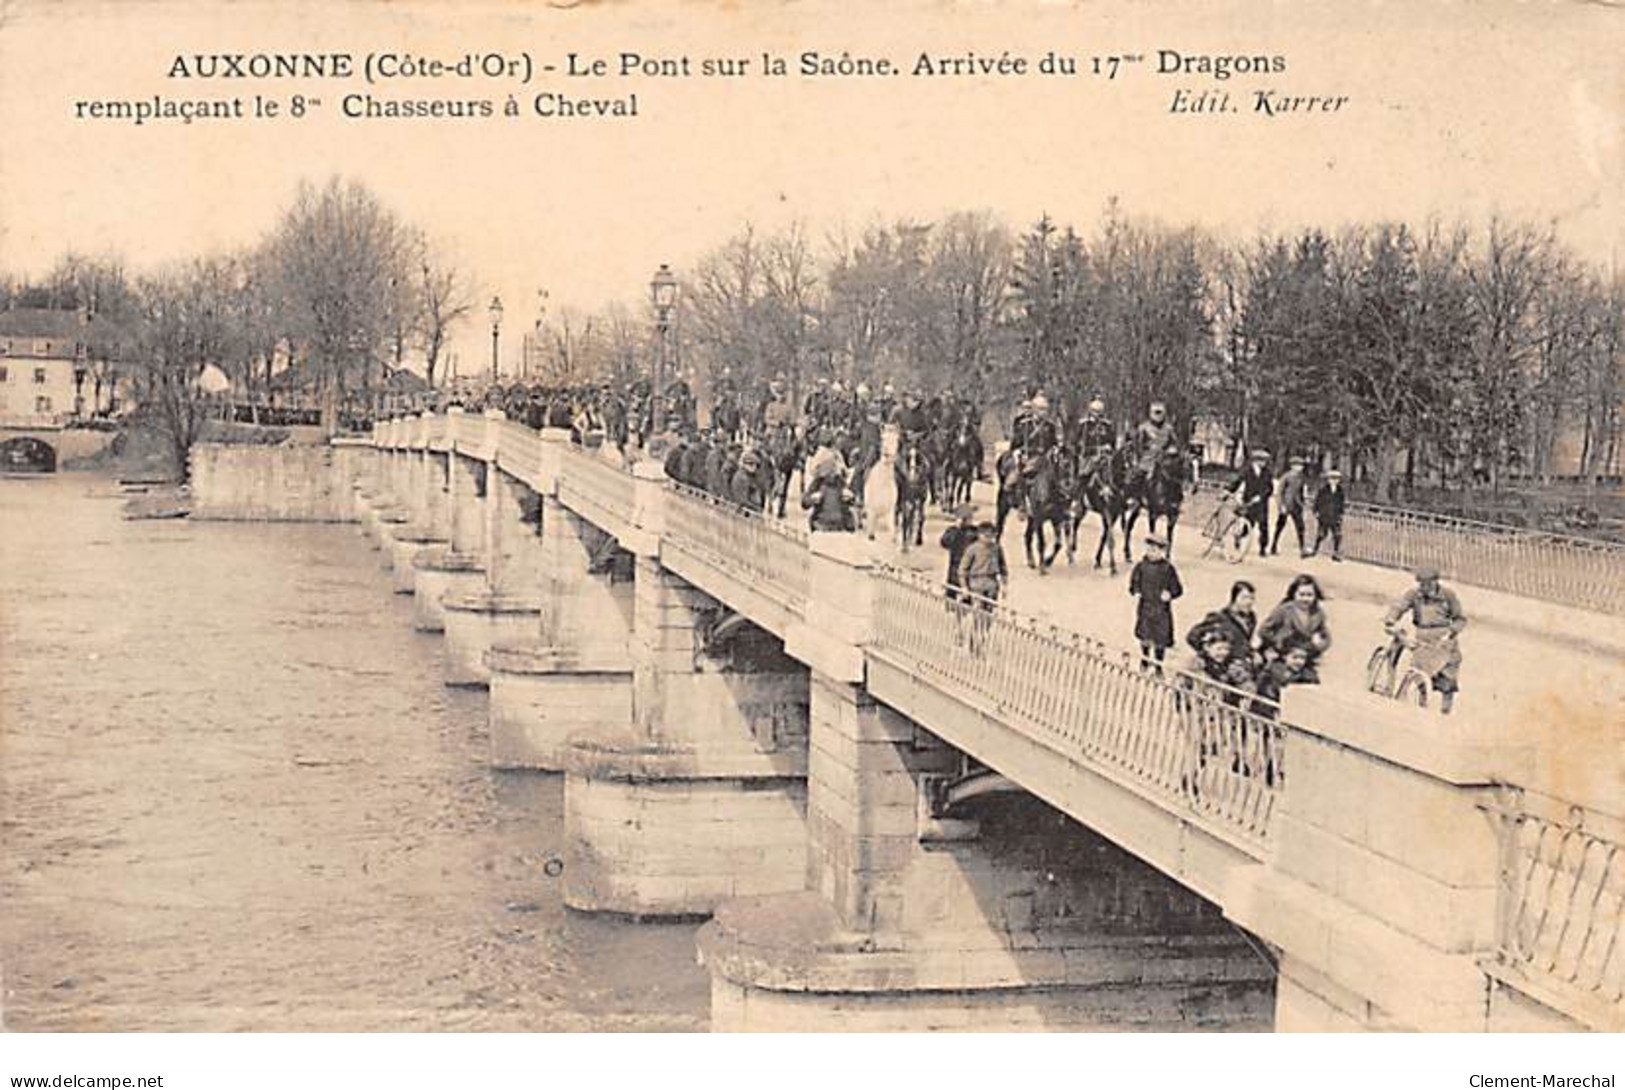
(1330, 502)
(1292, 668)
(1155, 582)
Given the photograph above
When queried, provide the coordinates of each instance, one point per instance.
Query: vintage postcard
(813, 516)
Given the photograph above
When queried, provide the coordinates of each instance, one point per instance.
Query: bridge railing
(770, 554)
(1571, 571)
(1559, 568)
(585, 477)
(1203, 749)
(1562, 906)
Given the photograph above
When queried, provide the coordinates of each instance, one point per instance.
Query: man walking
(1253, 493)
(1292, 496)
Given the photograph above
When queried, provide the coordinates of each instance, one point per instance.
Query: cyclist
(1436, 620)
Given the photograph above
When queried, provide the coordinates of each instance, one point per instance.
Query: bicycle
(1227, 530)
(1384, 676)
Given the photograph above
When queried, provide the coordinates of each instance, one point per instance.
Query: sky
(1453, 110)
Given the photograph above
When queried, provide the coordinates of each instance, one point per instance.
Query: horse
(1045, 502)
(783, 451)
(1160, 493)
(1100, 489)
(878, 508)
(912, 475)
(963, 464)
(1011, 487)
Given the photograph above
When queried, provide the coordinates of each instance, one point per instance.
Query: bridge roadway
(1391, 799)
(1546, 675)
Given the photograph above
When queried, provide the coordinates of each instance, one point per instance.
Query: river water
(234, 795)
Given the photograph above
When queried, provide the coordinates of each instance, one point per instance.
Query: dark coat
(1329, 504)
(830, 511)
(956, 539)
(746, 490)
(1155, 622)
(1238, 626)
(1255, 487)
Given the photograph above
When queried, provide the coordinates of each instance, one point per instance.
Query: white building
(43, 373)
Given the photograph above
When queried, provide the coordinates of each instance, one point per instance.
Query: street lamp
(496, 326)
(663, 292)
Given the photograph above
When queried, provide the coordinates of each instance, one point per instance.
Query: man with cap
(1292, 494)
(746, 489)
(956, 539)
(1329, 503)
(983, 573)
(1153, 439)
(1252, 492)
(1436, 620)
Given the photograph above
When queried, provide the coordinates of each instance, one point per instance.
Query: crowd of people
(1058, 467)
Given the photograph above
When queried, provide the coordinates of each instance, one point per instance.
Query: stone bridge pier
(571, 671)
(506, 604)
(701, 794)
(427, 525)
(458, 565)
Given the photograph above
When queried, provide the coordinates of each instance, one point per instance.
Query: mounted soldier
(1097, 435)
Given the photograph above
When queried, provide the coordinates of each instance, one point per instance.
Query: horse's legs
(1131, 515)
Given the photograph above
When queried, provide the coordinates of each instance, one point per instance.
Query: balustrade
(1562, 906)
(769, 554)
(1208, 750)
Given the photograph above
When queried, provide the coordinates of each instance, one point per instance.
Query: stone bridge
(901, 813)
(34, 446)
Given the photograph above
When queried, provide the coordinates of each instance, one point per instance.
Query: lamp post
(496, 326)
(663, 293)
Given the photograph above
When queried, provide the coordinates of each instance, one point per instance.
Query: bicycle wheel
(1212, 531)
(1379, 672)
(1414, 688)
(1234, 541)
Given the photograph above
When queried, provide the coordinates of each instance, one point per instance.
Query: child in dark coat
(1155, 582)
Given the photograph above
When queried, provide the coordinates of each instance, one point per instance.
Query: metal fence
(1562, 905)
(1203, 748)
(585, 477)
(1571, 571)
(769, 554)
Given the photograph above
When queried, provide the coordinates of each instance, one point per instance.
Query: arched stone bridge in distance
(863, 783)
(31, 446)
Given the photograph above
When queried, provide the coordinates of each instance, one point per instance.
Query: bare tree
(344, 275)
(444, 297)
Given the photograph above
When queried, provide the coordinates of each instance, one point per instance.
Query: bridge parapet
(1561, 936)
(1211, 753)
(604, 493)
(768, 556)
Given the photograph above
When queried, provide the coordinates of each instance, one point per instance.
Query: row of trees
(338, 289)
(1470, 352)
